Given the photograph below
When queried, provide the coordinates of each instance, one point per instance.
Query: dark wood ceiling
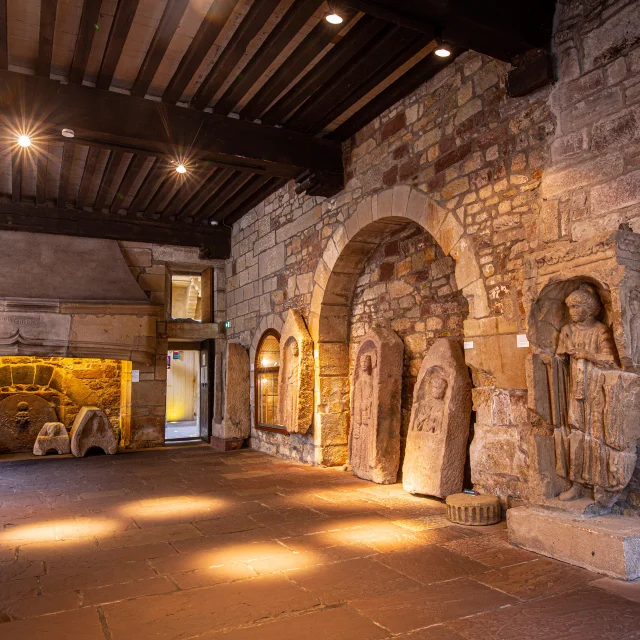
(248, 94)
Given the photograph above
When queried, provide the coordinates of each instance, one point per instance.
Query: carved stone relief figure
(634, 325)
(22, 415)
(439, 426)
(296, 378)
(290, 372)
(374, 437)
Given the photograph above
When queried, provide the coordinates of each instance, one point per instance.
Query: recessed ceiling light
(181, 168)
(24, 141)
(442, 52)
(68, 133)
(334, 18)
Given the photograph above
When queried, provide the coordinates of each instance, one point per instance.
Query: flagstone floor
(186, 543)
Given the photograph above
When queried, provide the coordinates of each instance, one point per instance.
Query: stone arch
(334, 281)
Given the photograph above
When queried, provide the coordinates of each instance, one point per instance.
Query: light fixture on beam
(333, 17)
(442, 51)
(24, 140)
(181, 168)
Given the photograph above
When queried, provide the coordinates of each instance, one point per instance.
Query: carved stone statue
(374, 438)
(290, 372)
(439, 426)
(584, 454)
(22, 415)
(296, 379)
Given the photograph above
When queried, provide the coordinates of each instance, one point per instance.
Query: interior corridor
(187, 543)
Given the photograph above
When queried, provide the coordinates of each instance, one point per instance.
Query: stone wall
(408, 282)
(501, 177)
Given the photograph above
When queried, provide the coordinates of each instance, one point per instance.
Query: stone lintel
(607, 544)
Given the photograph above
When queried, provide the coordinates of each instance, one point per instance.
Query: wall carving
(374, 438)
(439, 428)
(295, 384)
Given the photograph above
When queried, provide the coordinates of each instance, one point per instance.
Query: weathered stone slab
(374, 437)
(236, 410)
(296, 380)
(53, 435)
(439, 424)
(92, 428)
(22, 415)
(607, 544)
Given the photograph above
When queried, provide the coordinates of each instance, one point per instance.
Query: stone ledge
(607, 544)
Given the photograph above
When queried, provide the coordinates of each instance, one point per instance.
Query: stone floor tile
(16, 590)
(20, 569)
(582, 614)
(231, 524)
(490, 550)
(224, 606)
(138, 537)
(42, 605)
(341, 623)
(535, 579)
(81, 624)
(351, 580)
(225, 540)
(437, 632)
(629, 590)
(50, 550)
(430, 564)
(446, 534)
(214, 575)
(134, 589)
(434, 604)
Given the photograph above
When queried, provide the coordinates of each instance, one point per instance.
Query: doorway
(183, 395)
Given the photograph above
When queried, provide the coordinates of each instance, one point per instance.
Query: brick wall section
(521, 174)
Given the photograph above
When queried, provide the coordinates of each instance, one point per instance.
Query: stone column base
(607, 544)
(226, 444)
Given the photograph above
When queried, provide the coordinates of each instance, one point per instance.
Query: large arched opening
(377, 220)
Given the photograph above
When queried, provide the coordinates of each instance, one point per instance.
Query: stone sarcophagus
(296, 380)
(374, 437)
(583, 303)
(439, 426)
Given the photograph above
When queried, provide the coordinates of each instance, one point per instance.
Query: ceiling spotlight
(443, 51)
(181, 168)
(68, 133)
(24, 141)
(334, 18)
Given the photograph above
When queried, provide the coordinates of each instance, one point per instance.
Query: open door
(207, 356)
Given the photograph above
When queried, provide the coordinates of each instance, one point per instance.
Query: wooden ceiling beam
(193, 182)
(388, 48)
(205, 192)
(357, 41)
(48, 10)
(141, 125)
(173, 12)
(255, 183)
(68, 150)
(149, 185)
(404, 85)
(108, 178)
(387, 68)
(84, 41)
(231, 55)
(306, 52)
(282, 34)
(16, 173)
(41, 175)
(122, 21)
(132, 172)
(215, 242)
(217, 17)
(169, 186)
(218, 199)
(4, 36)
(88, 176)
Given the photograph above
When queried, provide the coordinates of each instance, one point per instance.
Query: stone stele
(237, 384)
(439, 425)
(52, 436)
(295, 383)
(92, 428)
(374, 437)
(22, 415)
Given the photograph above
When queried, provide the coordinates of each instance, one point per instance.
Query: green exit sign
(227, 324)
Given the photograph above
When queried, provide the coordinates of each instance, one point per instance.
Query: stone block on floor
(607, 544)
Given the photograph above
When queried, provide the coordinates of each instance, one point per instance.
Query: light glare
(24, 141)
(181, 168)
(442, 52)
(334, 18)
